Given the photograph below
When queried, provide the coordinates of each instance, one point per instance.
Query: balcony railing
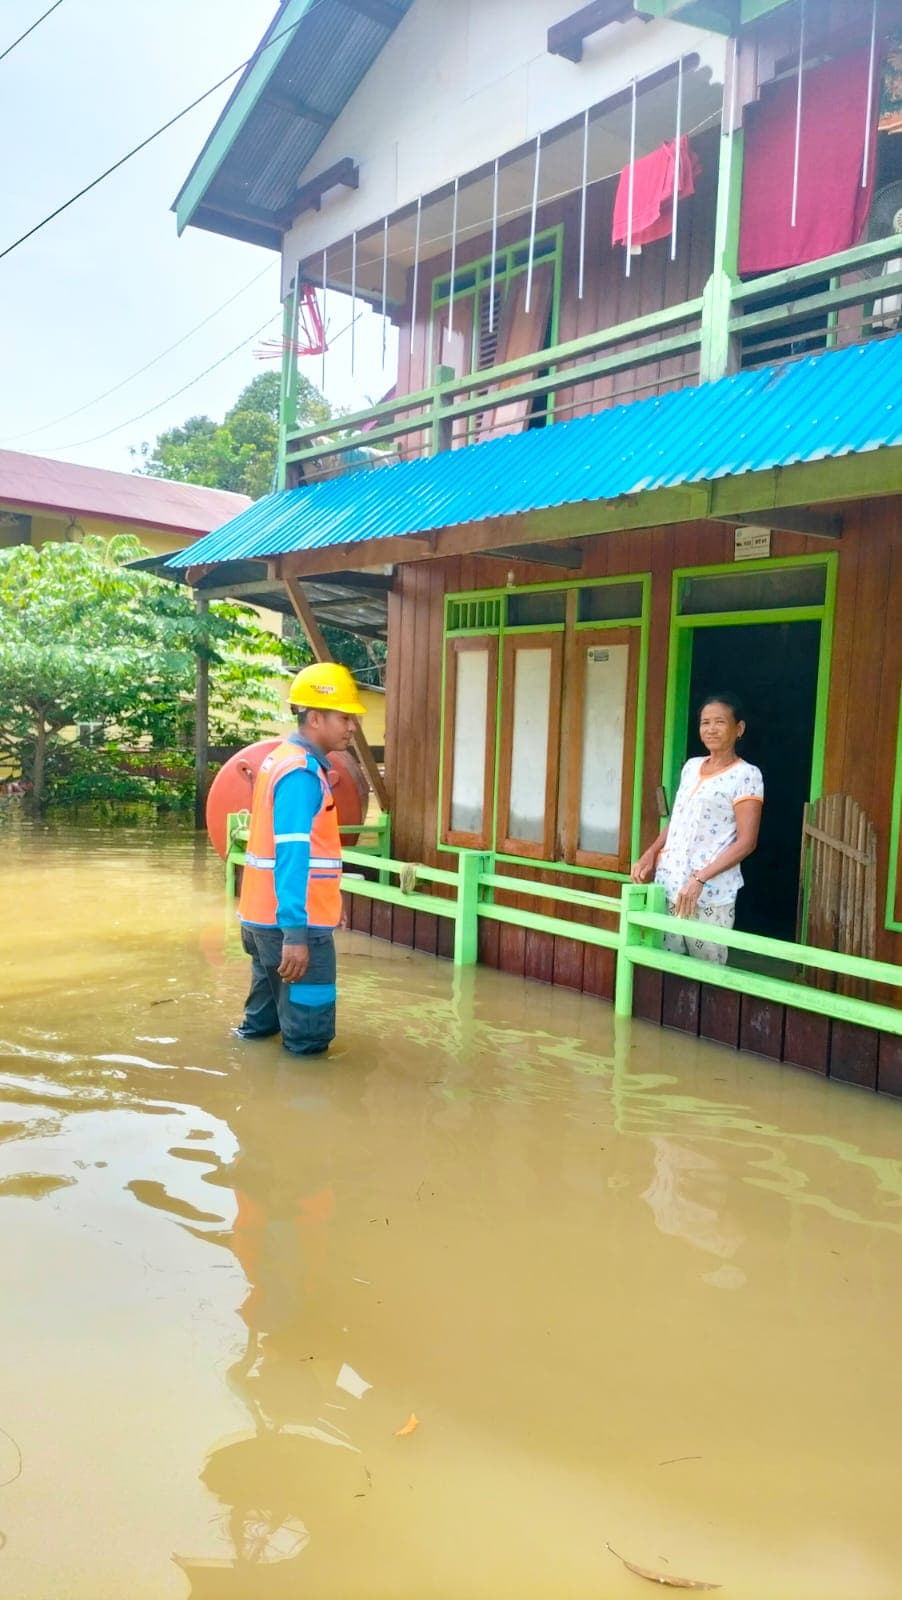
(459, 410)
(823, 305)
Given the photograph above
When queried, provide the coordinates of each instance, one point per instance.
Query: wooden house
(647, 441)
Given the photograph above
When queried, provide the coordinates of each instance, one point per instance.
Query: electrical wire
(123, 382)
(36, 24)
(55, 449)
(77, 443)
(164, 128)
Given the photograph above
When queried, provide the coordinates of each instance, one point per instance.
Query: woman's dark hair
(725, 698)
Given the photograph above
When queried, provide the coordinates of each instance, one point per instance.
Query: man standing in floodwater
(290, 901)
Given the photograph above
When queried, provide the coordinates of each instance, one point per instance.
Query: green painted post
(719, 351)
(383, 844)
(632, 898)
(466, 927)
(288, 396)
(656, 901)
(442, 427)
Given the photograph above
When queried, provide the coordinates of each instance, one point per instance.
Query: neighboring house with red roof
(41, 500)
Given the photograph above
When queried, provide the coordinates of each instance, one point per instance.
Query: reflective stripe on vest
(258, 880)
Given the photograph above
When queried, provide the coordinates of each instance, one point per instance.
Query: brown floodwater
(639, 1291)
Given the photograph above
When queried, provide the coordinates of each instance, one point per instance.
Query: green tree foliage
(85, 639)
(239, 453)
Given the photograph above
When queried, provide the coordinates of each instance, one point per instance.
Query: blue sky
(107, 286)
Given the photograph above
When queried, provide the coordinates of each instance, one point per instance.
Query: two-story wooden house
(647, 428)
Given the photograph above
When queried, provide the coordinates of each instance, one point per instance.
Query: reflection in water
(228, 1280)
(677, 1212)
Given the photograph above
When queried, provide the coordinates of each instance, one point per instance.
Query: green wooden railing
(467, 895)
(433, 412)
(433, 416)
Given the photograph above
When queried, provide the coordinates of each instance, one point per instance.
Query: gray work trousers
(303, 1012)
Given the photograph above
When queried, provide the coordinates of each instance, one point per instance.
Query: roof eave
(231, 227)
(239, 107)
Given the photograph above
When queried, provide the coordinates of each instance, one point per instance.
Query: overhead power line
(36, 24)
(164, 128)
(77, 443)
(123, 382)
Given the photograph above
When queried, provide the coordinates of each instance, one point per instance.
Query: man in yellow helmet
(290, 900)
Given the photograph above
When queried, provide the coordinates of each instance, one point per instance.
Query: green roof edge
(237, 110)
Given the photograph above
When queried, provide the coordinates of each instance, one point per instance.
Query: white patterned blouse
(703, 823)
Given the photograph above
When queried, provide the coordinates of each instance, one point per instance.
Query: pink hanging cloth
(653, 186)
(833, 207)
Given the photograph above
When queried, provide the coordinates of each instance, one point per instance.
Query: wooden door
(601, 744)
(530, 743)
(521, 332)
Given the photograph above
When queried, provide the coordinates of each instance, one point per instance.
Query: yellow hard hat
(326, 686)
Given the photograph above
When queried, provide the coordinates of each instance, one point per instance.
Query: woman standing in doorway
(713, 827)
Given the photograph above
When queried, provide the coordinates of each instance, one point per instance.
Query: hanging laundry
(653, 188)
(833, 206)
(891, 91)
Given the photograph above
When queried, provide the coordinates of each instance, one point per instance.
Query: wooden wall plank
(433, 669)
(862, 687)
(719, 1017)
(512, 949)
(382, 920)
(598, 972)
(806, 1040)
(889, 1064)
(425, 932)
(854, 1054)
(761, 1027)
(489, 940)
(395, 642)
(681, 1004)
(361, 913)
(567, 968)
(845, 644)
(648, 995)
(539, 958)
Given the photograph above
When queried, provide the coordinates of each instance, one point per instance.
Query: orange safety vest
(258, 881)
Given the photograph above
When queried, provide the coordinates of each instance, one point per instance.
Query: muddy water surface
(637, 1290)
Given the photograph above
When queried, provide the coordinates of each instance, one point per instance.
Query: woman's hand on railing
(643, 870)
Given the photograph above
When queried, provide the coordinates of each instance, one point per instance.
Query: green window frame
(684, 624)
(511, 262)
(893, 919)
(491, 614)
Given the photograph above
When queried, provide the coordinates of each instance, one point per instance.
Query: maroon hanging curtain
(833, 207)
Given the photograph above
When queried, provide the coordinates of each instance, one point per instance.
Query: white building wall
(463, 81)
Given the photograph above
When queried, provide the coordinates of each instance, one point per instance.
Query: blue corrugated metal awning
(842, 403)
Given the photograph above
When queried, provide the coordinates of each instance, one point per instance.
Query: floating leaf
(663, 1577)
(351, 1382)
(410, 1426)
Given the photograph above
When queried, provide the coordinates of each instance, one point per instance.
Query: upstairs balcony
(828, 304)
(514, 309)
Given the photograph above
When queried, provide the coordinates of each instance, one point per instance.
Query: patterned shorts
(688, 944)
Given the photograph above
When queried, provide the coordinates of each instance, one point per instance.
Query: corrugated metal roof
(836, 404)
(38, 483)
(330, 49)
